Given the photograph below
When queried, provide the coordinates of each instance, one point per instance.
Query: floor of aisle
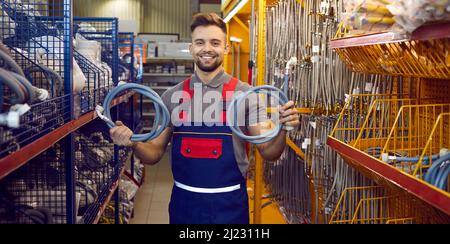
(152, 199)
(270, 213)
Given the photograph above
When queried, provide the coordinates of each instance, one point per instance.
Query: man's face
(208, 47)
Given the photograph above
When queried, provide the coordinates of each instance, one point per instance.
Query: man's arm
(152, 151)
(149, 152)
(273, 149)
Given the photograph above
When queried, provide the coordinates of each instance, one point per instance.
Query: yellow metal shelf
(377, 205)
(425, 53)
(387, 123)
(391, 177)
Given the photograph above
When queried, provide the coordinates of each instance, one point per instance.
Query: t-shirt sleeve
(253, 108)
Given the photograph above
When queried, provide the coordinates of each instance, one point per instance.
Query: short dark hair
(208, 19)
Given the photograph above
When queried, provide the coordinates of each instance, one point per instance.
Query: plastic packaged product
(367, 16)
(9, 26)
(411, 14)
(38, 51)
(91, 50)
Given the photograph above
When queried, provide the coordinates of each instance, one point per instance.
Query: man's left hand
(289, 116)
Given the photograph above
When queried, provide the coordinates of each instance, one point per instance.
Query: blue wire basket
(39, 38)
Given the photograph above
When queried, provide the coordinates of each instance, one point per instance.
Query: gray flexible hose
(31, 90)
(25, 91)
(16, 87)
(56, 88)
(4, 48)
(16, 71)
(10, 63)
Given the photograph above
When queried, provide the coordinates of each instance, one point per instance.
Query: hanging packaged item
(368, 16)
(411, 14)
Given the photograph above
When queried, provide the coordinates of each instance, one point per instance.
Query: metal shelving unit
(34, 145)
(423, 54)
(17, 159)
(333, 177)
(388, 175)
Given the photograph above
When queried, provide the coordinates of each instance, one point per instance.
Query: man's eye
(199, 43)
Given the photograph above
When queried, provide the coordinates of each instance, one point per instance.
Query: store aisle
(152, 200)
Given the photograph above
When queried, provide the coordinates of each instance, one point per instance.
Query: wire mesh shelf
(367, 205)
(104, 31)
(382, 205)
(42, 119)
(438, 139)
(98, 83)
(423, 54)
(41, 32)
(39, 185)
(95, 160)
(408, 137)
(353, 115)
(386, 139)
(366, 120)
(38, 38)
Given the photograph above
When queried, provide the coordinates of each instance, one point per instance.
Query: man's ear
(227, 48)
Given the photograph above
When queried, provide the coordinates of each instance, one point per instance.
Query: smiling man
(209, 162)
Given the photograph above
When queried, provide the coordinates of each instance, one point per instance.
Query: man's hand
(121, 134)
(289, 115)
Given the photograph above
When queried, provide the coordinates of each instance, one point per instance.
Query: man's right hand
(121, 134)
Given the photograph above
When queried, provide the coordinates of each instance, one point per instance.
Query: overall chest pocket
(206, 148)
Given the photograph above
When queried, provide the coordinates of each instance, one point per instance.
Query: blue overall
(203, 157)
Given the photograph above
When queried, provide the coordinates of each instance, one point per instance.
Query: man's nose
(207, 47)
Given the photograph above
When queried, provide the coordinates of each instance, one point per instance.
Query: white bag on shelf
(411, 14)
(91, 50)
(50, 50)
(8, 25)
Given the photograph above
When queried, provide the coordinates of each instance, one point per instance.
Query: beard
(210, 67)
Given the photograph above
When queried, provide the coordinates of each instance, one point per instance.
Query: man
(208, 161)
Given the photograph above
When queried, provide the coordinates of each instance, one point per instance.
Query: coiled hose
(56, 81)
(37, 215)
(14, 78)
(437, 174)
(21, 96)
(9, 63)
(162, 115)
(27, 213)
(232, 113)
(385, 157)
(276, 93)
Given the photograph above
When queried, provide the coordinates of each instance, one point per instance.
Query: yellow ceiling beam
(225, 5)
(239, 21)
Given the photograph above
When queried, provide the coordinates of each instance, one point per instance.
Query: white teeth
(206, 57)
